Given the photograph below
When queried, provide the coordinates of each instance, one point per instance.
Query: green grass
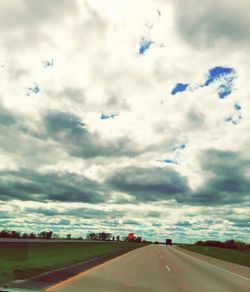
(19, 260)
(230, 255)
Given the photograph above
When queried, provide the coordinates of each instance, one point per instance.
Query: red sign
(131, 236)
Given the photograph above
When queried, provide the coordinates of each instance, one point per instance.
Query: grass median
(22, 260)
(230, 255)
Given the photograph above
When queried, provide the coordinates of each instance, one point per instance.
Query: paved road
(158, 268)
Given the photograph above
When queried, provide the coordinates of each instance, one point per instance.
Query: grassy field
(21, 260)
(230, 255)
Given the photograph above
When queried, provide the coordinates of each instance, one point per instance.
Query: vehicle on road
(168, 241)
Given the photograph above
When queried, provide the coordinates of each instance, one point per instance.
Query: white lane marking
(167, 267)
(237, 275)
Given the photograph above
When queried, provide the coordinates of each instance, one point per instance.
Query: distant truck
(168, 241)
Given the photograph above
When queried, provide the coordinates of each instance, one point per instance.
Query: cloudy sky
(125, 116)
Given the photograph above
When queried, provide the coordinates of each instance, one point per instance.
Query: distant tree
(43, 235)
(32, 235)
(92, 236)
(105, 236)
(25, 235)
(15, 234)
(5, 234)
(68, 236)
(138, 239)
(113, 238)
(49, 234)
(124, 238)
(55, 236)
(118, 237)
(231, 244)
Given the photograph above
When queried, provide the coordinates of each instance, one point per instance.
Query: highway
(159, 268)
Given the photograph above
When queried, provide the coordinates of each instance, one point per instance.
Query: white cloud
(94, 46)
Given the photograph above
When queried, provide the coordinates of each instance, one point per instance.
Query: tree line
(95, 236)
(231, 244)
(31, 235)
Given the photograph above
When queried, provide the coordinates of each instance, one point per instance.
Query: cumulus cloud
(22, 23)
(69, 130)
(29, 185)
(213, 21)
(6, 117)
(149, 184)
(168, 163)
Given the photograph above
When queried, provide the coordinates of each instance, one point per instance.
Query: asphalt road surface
(159, 268)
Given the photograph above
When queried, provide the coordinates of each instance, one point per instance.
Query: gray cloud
(156, 224)
(66, 187)
(5, 215)
(6, 117)
(115, 103)
(131, 222)
(213, 21)
(196, 119)
(70, 93)
(184, 224)
(226, 183)
(85, 213)
(23, 22)
(239, 221)
(155, 214)
(69, 130)
(149, 184)
(97, 69)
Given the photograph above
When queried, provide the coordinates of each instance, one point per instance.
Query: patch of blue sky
(217, 73)
(179, 87)
(47, 63)
(237, 106)
(145, 44)
(104, 117)
(236, 117)
(225, 75)
(35, 89)
(179, 147)
(169, 161)
(108, 116)
(224, 90)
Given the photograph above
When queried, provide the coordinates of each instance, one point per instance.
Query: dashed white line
(167, 267)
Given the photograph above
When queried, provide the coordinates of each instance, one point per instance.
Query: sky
(125, 116)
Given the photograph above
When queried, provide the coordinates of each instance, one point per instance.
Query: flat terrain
(230, 255)
(22, 259)
(159, 268)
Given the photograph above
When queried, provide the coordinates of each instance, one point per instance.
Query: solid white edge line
(237, 275)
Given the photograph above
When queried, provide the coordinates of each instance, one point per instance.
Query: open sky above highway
(125, 116)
